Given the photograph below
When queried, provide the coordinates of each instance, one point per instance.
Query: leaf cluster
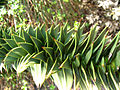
(63, 54)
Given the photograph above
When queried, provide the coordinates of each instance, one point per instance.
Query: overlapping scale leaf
(38, 44)
(40, 56)
(14, 54)
(28, 47)
(61, 48)
(18, 39)
(50, 52)
(26, 36)
(11, 43)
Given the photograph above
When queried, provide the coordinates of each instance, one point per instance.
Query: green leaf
(49, 40)
(51, 68)
(39, 34)
(85, 75)
(62, 35)
(43, 29)
(19, 50)
(18, 39)
(80, 30)
(2, 55)
(82, 81)
(60, 46)
(21, 32)
(2, 41)
(93, 33)
(11, 43)
(114, 46)
(31, 31)
(52, 31)
(103, 65)
(99, 43)
(12, 54)
(68, 36)
(111, 46)
(6, 35)
(89, 54)
(103, 79)
(63, 64)
(82, 46)
(50, 52)
(40, 56)
(27, 46)
(91, 38)
(82, 42)
(77, 60)
(115, 64)
(10, 60)
(113, 79)
(99, 51)
(1, 59)
(69, 46)
(3, 50)
(76, 44)
(93, 71)
(110, 82)
(38, 44)
(26, 36)
(6, 46)
(100, 37)
(65, 28)
(56, 30)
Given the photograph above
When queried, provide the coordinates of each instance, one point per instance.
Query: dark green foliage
(3, 2)
(63, 53)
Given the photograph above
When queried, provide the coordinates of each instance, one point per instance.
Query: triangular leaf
(50, 52)
(38, 44)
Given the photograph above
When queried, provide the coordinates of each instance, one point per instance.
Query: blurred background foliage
(19, 13)
(23, 12)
